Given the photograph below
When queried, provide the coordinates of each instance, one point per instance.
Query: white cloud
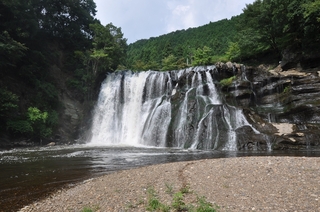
(181, 17)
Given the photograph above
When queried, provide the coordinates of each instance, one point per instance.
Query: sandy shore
(234, 184)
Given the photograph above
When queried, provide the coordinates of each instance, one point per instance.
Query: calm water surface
(29, 174)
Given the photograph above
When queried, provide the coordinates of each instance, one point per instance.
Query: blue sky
(142, 19)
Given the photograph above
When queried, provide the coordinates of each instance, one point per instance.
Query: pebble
(234, 184)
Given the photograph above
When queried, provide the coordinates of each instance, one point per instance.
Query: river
(29, 174)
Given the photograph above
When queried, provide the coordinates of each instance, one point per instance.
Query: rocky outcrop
(283, 104)
(71, 113)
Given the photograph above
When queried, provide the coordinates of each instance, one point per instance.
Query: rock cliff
(283, 104)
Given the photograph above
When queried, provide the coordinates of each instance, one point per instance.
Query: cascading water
(165, 109)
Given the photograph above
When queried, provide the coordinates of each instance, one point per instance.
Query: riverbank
(234, 184)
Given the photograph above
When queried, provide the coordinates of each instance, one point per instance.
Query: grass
(90, 209)
(86, 209)
(205, 206)
(154, 203)
(169, 189)
(178, 202)
(185, 189)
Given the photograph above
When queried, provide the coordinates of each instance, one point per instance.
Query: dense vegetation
(184, 47)
(266, 28)
(36, 39)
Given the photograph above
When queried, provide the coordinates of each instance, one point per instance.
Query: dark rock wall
(283, 105)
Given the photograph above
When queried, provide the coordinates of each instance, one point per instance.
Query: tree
(202, 56)
(37, 36)
(234, 52)
(312, 10)
(106, 55)
(35, 123)
(276, 25)
(8, 106)
(11, 50)
(66, 19)
(311, 17)
(182, 43)
(109, 47)
(169, 63)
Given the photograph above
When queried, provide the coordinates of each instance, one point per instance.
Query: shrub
(228, 81)
(19, 126)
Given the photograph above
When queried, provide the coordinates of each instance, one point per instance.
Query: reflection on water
(28, 174)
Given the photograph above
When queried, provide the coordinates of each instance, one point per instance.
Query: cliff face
(282, 103)
(71, 110)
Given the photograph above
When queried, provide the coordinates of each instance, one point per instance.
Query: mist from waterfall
(182, 109)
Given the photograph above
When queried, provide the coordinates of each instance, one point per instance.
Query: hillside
(182, 44)
(266, 32)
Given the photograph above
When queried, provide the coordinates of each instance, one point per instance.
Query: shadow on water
(30, 174)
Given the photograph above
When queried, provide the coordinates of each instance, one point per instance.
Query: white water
(152, 109)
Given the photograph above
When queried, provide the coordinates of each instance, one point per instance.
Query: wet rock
(290, 58)
(51, 144)
(247, 139)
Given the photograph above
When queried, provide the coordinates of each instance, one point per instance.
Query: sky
(142, 19)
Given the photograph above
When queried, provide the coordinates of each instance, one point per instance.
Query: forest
(263, 32)
(37, 38)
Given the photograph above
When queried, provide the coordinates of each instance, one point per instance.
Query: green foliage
(90, 209)
(178, 202)
(266, 27)
(169, 189)
(196, 46)
(312, 10)
(35, 123)
(202, 56)
(139, 66)
(185, 189)
(228, 81)
(10, 50)
(87, 209)
(39, 40)
(8, 102)
(154, 203)
(38, 120)
(205, 206)
(106, 55)
(20, 126)
(172, 63)
(233, 53)
(109, 47)
(76, 15)
(276, 25)
(219, 58)
(34, 114)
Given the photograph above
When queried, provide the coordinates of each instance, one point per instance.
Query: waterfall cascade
(181, 109)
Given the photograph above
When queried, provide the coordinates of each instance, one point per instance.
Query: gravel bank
(234, 184)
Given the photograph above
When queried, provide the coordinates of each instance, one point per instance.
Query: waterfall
(181, 109)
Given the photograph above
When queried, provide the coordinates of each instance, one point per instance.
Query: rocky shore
(233, 184)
